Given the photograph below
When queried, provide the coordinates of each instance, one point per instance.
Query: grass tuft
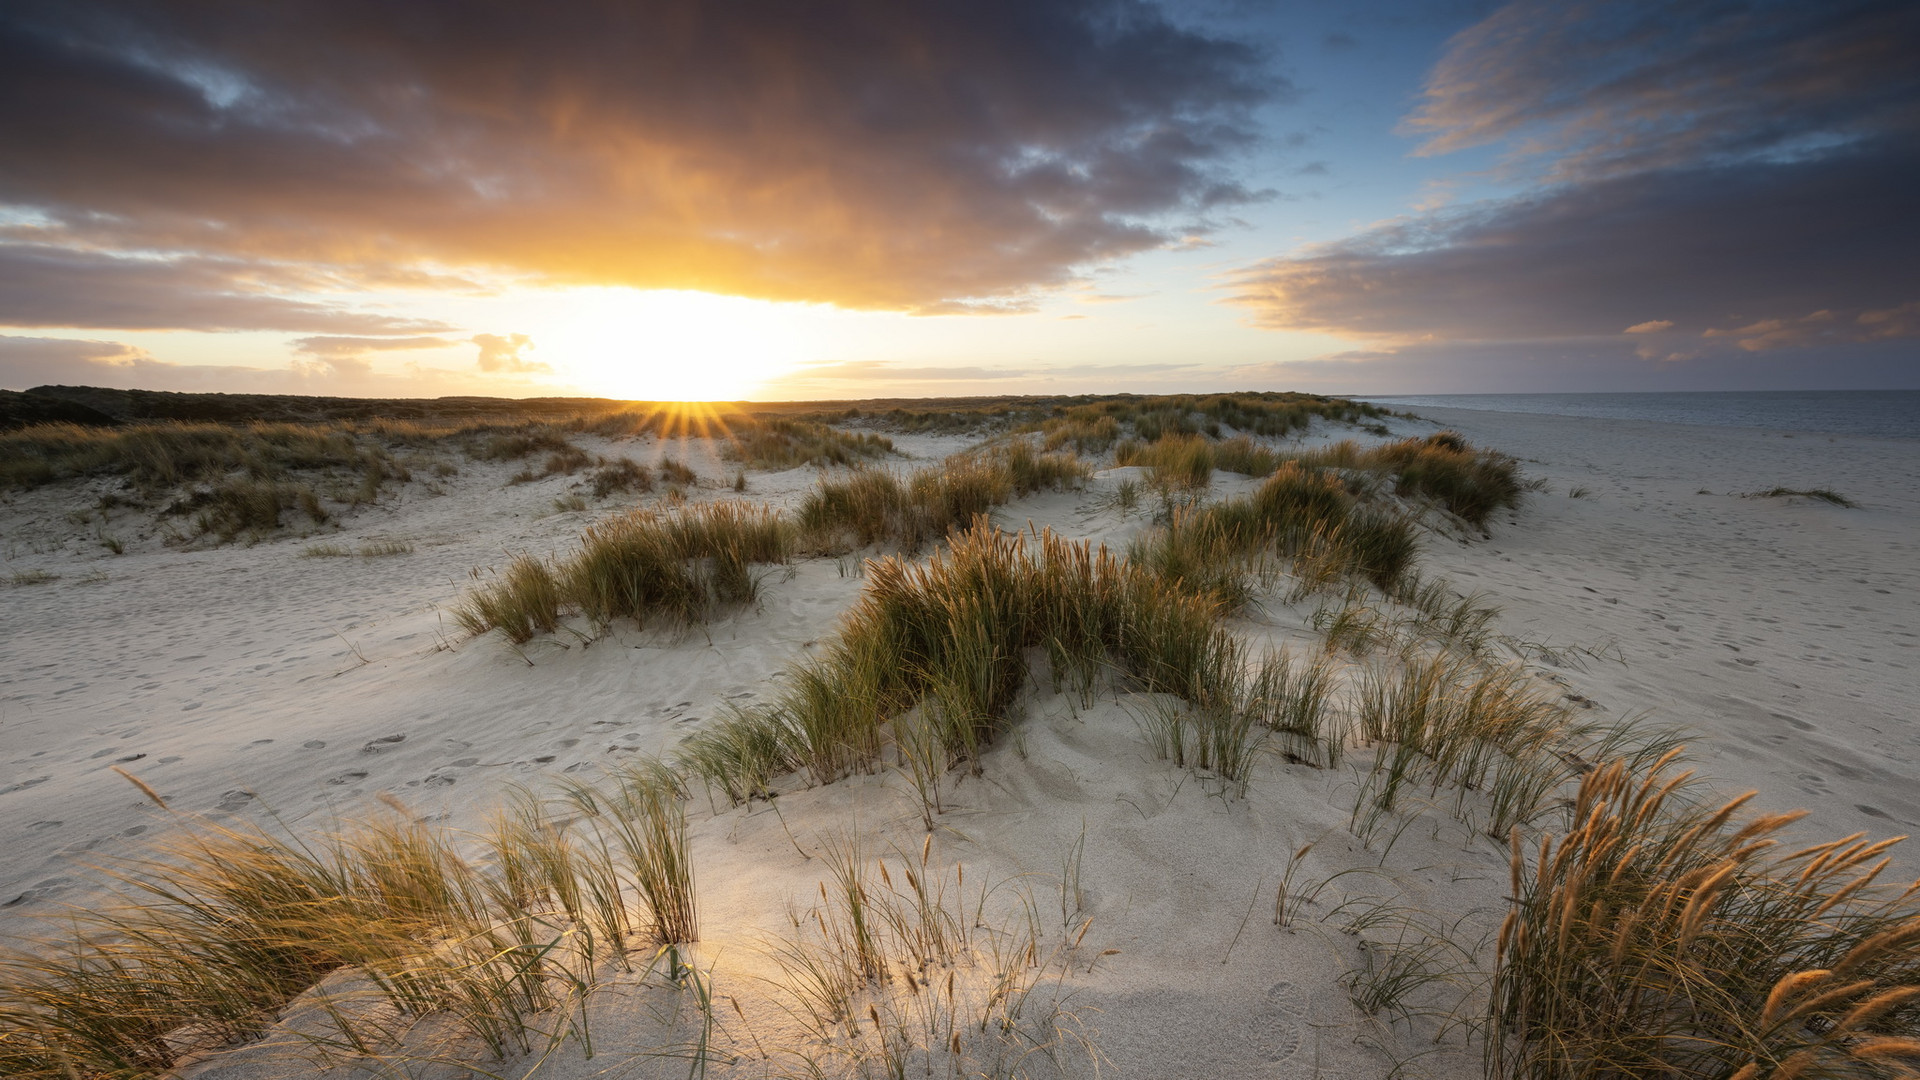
(681, 566)
(946, 641)
(1662, 936)
(224, 927)
(1826, 495)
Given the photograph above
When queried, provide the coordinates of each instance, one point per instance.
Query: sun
(667, 345)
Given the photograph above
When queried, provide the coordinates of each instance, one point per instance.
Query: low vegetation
(1441, 468)
(226, 926)
(1825, 495)
(873, 506)
(946, 640)
(862, 976)
(1303, 515)
(1665, 936)
(677, 566)
(1653, 933)
(786, 444)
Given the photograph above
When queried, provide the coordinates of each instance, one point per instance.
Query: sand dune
(246, 681)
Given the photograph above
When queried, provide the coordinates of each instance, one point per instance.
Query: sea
(1887, 414)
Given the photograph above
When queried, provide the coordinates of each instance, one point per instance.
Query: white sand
(1785, 632)
(239, 680)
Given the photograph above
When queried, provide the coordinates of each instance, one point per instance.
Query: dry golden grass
(224, 926)
(1665, 937)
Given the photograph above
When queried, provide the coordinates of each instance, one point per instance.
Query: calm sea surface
(1893, 414)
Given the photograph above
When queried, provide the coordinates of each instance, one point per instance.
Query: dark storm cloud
(1713, 177)
(46, 286)
(865, 153)
(1700, 250)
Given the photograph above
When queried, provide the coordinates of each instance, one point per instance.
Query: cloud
(866, 154)
(883, 378)
(38, 361)
(359, 346)
(1744, 171)
(47, 286)
(1604, 88)
(1896, 322)
(1700, 245)
(886, 371)
(504, 353)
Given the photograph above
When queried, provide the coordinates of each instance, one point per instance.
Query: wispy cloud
(37, 361)
(49, 286)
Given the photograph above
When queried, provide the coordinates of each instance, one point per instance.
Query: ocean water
(1889, 414)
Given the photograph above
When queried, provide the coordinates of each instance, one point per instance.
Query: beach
(266, 683)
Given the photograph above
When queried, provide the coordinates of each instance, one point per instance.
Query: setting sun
(667, 345)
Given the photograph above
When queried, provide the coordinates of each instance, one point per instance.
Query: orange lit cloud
(905, 156)
(35, 361)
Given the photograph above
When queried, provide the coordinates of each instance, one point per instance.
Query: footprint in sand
(234, 800)
(440, 780)
(24, 784)
(45, 888)
(40, 826)
(544, 759)
(384, 742)
(351, 776)
(314, 744)
(1277, 1030)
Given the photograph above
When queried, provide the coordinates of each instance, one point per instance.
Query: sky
(761, 199)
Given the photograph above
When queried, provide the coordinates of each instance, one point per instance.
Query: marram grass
(224, 926)
(1665, 937)
(679, 567)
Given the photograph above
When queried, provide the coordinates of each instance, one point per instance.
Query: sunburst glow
(669, 345)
